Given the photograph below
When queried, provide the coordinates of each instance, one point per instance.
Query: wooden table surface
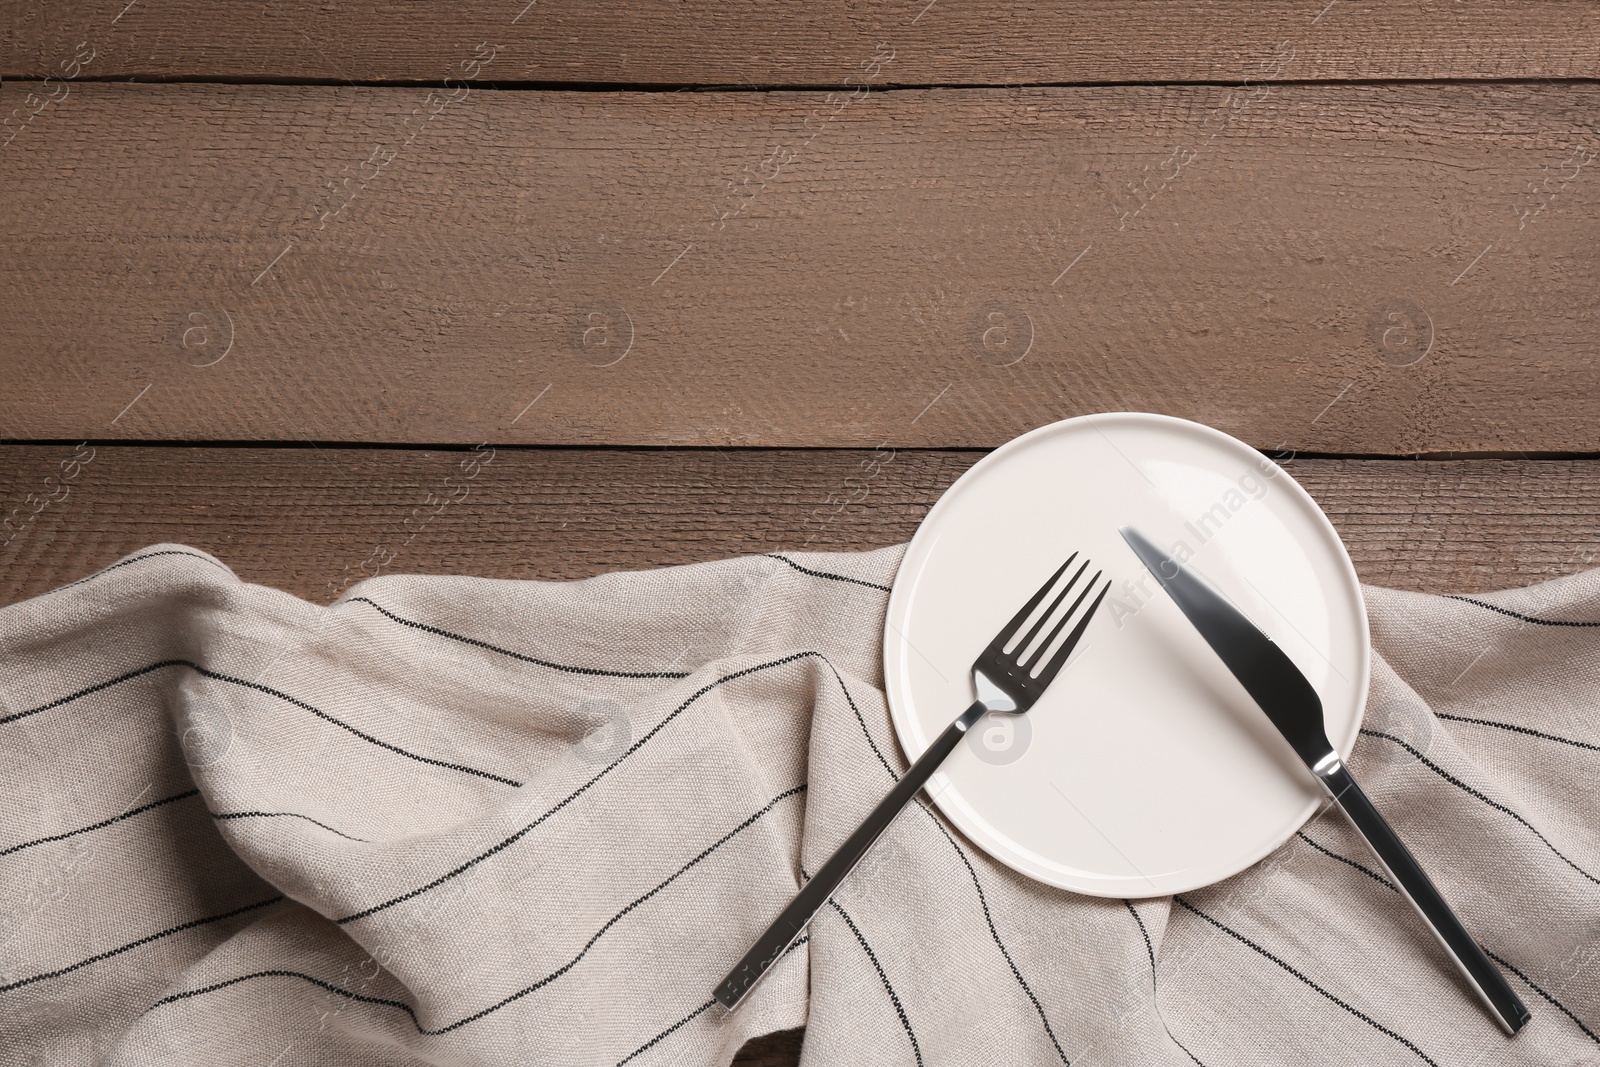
(696, 279)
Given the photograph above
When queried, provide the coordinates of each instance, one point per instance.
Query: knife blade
(1291, 703)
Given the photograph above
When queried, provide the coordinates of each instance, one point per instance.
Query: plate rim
(896, 610)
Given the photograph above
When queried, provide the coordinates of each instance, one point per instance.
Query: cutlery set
(1028, 654)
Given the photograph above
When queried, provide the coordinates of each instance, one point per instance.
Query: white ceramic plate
(1145, 769)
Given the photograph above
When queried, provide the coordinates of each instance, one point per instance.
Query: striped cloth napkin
(463, 821)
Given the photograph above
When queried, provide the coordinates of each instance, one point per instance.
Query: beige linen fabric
(462, 821)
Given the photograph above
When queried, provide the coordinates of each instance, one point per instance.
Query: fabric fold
(466, 821)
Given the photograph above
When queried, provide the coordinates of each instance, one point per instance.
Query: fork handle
(1414, 883)
(771, 946)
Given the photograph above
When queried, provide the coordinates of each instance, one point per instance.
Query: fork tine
(1052, 668)
(1004, 637)
(1066, 616)
(1044, 617)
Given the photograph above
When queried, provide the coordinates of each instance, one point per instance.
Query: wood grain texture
(1357, 269)
(766, 42)
(313, 521)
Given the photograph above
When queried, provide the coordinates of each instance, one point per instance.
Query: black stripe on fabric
(329, 986)
(983, 898)
(576, 793)
(142, 941)
(207, 672)
(568, 668)
(137, 559)
(1520, 730)
(267, 689)
(1458, 783)
(91, 690)
(876, 751)
(1150, 950)
(285, 815)
(1357, 1012)
(988, 916)
(541, 983)
(102, 823)
(668, 1032)
(681, 1023)
(1535, 987)
(1368, 871)
(636, 902)
(826, 574)
(1516, 614)
(894, 998)
(1381, 880)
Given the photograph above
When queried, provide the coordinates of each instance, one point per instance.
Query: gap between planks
(314, 521)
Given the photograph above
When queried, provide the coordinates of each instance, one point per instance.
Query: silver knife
(1288, 699)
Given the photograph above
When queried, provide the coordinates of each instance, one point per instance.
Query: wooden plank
(1357, 269)
(700, 42)
(313, 521)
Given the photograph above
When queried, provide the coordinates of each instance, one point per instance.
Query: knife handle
(770, 946)
(1480, 972)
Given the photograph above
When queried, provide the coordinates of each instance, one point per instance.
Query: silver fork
(1009, 676)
